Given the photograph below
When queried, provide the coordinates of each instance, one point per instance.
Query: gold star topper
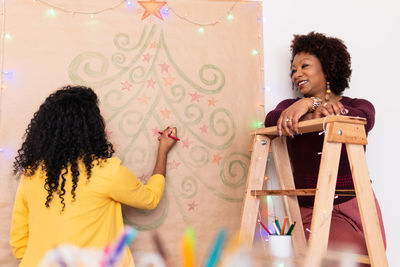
(152, 8)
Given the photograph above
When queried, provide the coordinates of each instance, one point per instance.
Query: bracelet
(317, 102)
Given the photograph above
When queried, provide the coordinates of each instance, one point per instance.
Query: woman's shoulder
(113, 162)
(346, 100)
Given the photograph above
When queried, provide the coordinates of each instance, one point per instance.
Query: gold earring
(327, 92)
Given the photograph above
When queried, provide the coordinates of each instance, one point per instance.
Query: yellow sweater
(94, 219)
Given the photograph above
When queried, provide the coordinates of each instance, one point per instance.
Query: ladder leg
(255, 181)
(323, 204)
(366, 204)
(285, 175)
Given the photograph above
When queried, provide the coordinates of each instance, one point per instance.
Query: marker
(170, 136)
(277, 224)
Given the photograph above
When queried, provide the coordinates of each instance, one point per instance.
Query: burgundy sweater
(304, 148)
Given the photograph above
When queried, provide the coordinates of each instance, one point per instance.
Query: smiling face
(308, 76)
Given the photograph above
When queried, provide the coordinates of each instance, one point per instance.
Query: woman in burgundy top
(320, 70)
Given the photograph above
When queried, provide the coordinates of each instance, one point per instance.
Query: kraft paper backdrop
(148, 74)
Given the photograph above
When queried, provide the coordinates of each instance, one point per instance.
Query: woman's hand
(166, 142)
(328, 109)
(288, 121)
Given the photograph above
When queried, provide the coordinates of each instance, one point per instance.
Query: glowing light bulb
(52, 12)
(129, 3)
(230, 16)
(91, 16)
(201, 30)
(7, 36)
(254, 52)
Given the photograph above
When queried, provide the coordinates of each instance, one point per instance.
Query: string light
(230, 17)
(51, 12)
(129, 3)
(254, 52)
(7, 36)
(89, 12)
(203, 24)
(201, 30)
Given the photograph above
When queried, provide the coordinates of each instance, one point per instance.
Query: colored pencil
(277, 224)
(216, 250)
(170, 136)
(188, 248)
(284, 224)
(289, 232)
(265, 228)
(277, 232)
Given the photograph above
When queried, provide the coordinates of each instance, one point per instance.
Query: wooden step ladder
(338, 130)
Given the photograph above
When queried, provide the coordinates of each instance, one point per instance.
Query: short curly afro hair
(331, 52)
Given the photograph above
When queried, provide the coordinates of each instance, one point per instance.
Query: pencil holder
(281, 246)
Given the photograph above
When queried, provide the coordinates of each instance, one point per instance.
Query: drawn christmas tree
(143, 90)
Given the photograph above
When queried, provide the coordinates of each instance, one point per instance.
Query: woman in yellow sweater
(71, 187)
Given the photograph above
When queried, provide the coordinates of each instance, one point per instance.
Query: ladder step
(298, 192)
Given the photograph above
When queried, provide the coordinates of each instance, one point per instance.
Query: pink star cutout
(195, 96)
(173, 165)
(108, 133)
(169, 80)
(147, 57)
(186, 143)
(155, 131)
(151, 83)
(164, 67)
(144, 99)
(217, 158)
(126, 85)
(116, 146)
(153, 44)
(165, 113)
(204, 129)
(211, 102)
(142, 178)
(192, 206)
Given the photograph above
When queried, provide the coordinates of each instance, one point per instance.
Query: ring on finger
(288, 119)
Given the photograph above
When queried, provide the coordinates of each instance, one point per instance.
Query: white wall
(371, 30)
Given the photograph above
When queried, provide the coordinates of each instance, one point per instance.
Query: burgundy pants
(346, 232)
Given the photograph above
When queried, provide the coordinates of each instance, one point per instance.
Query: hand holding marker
(169, 135)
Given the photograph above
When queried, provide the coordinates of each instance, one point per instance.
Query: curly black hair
(67, 128)
(331, 52)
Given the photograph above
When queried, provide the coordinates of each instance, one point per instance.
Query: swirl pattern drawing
(143, 90)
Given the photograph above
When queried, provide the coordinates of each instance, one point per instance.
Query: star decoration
(152, 8)
(204, 129)
(165, 113)
(186, 143)
(147, 57)
(142, 178)
(144, 99)
(192, 206)
(151, 83)
(211, 102)
(217, 158)
(173, 165)
(126, 85)
(195, 96)
(169, 80)
(116, 146)
(108, 133)
(153, 44)
(164, 67)
(155, 131)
